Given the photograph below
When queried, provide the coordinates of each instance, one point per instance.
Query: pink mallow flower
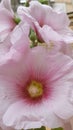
(10, 44)
(35, 88)
(7, 22)
(48, 24)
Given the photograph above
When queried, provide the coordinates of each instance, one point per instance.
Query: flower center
(35, 89)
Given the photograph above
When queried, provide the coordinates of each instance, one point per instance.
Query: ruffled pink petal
(7, 19)
(60, 65)
(48, 34)
(13, 41)
(25, 118)
(4, 47)
(35, 5)
(5, 100)
(22, 42)
(46, 15)
(7, 5)
(67, 35)
(63, 108)
(25, 16)
(6, 24)
(60, 20)
(22, 116)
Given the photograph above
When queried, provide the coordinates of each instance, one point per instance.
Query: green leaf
(43, 2)
(42, 128)
(26, 4)
(57, 128)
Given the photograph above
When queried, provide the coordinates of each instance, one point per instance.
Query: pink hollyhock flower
(7, 22)
(35, 88)
(13, 42)
(48, 24)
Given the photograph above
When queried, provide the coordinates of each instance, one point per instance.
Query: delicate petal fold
(20, 37)
(6, 19)
(7, 5)
(48, 34)
(25, 116)
(46, 15)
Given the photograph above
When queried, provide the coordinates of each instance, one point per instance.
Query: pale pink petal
(7, 5)
(60, 65)
(60, 20)
(67, 35)
(48, 34)
(5, 46)
(13, 41)
(6, 23)
(46, 15)
(35, 5)
(5, 99)
(25, 16)
(6, 19)
(20, 37)
(24, 116)
(64, 109)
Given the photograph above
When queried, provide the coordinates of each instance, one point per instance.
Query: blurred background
(66, 5)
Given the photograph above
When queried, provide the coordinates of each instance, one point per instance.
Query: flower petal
(22, 42)
(6, 23)
(46, 15)
(25, 118)
(48, 34)
(7, 5)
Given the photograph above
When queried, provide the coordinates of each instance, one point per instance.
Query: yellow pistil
(35, 89)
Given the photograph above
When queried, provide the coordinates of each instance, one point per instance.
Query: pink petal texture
(6, 19)
(55, 72)
(36, 84)
(19, 37)
(8, 53)
(7, 5)
(59, 27)
(48, 34)
(13, 41)
(46, 15)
